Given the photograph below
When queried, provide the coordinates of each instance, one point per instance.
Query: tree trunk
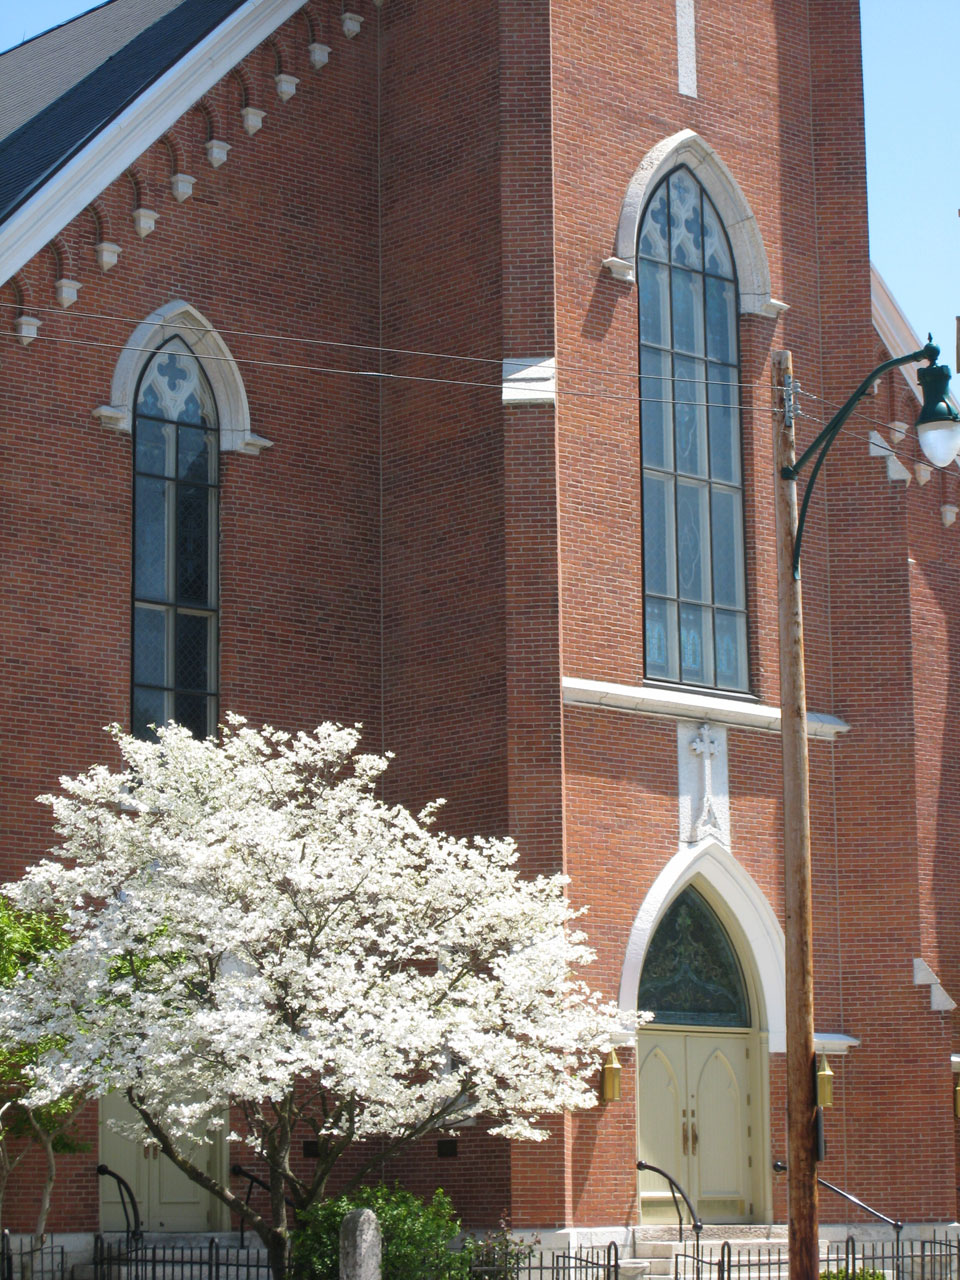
(46, 1141)
(277, 1253)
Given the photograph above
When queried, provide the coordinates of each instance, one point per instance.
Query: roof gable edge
(115, 147)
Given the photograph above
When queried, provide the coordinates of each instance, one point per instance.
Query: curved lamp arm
(825, 439)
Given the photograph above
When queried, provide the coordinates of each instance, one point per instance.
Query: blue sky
(909, 56)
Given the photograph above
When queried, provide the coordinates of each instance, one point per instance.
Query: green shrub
(416, 1236)
(865, 1273)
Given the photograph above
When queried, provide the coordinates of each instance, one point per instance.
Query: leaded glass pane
(156, 446)
(724, 424)
(149, 708)
(690, 415)
(693, 541)
(194, 651)
(659, 555)
(696, 644)
(197, 455)
(660, 637)
(691, 975)
(686, 292)
(716, 251)
(193, 712)
(193, 544)
(653, 232)
(654, 281)
(731, 638)
(727, 548)
(686, 234)
(150, 645)
(721, 304)
(151, 543)
(657, 409)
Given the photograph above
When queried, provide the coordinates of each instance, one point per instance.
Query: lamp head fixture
(938, 423)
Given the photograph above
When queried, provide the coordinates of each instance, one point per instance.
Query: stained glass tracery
(691, 975)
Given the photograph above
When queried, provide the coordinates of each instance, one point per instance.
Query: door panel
(168, 1200)
(660, 1122)
(693, 1120)
(719, 1159)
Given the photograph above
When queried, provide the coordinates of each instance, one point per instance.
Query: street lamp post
(938, 428)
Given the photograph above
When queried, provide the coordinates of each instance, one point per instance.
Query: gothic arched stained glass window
(691, 975)
(175, 535)
(695, 610)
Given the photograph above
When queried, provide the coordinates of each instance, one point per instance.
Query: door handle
(684, 1135)
(696, 1140)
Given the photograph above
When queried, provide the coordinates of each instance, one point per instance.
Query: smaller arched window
(691, 975)
(695, 608)
(175, 536)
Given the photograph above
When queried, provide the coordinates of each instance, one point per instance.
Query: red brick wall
(413, 555)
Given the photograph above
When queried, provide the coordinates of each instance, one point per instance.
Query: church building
(408, 362)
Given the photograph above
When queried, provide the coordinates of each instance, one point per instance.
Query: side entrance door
(167, 1199)
(696, 1120)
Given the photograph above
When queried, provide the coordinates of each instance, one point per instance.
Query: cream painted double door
(697, 1118)
(166, 1197)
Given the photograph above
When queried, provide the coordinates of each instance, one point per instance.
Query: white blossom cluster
(253, 928)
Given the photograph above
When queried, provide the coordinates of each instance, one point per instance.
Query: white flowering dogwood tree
(258, 941)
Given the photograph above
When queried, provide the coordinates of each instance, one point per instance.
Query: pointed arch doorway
(701, 1071)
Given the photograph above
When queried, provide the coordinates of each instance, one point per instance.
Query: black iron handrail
(675, 1186)
(779, 1166)
(253, 1180)
(125, 1190)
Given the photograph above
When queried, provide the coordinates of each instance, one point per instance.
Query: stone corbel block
(181, 184)
(112, 416)
(897, 430)
(352, 22)
(107, 254)
(67, 291)
(621, 270)
(217, 151)
(923, 471)
(923, 975)
(948, 513)
(252, 119)
(286, 86)
(319, 55)
(26, 328)
(144, 221)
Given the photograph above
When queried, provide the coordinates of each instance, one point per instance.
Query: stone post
(360, 1246)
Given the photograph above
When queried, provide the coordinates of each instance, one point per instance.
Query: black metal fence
(30, 1260)
(934, 1259)
(130, 1258)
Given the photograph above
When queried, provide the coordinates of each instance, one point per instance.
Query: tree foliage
(27, 941)
(253, 933)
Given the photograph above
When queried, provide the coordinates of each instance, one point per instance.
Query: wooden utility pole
(801, 1077)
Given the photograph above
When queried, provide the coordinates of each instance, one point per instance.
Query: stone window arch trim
(182, 320)
(689, 149)
(709, 865)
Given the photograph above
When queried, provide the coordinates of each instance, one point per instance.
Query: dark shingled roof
(35, 150)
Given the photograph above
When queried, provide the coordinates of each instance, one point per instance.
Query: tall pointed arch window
(695, 608)
(175, 536)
